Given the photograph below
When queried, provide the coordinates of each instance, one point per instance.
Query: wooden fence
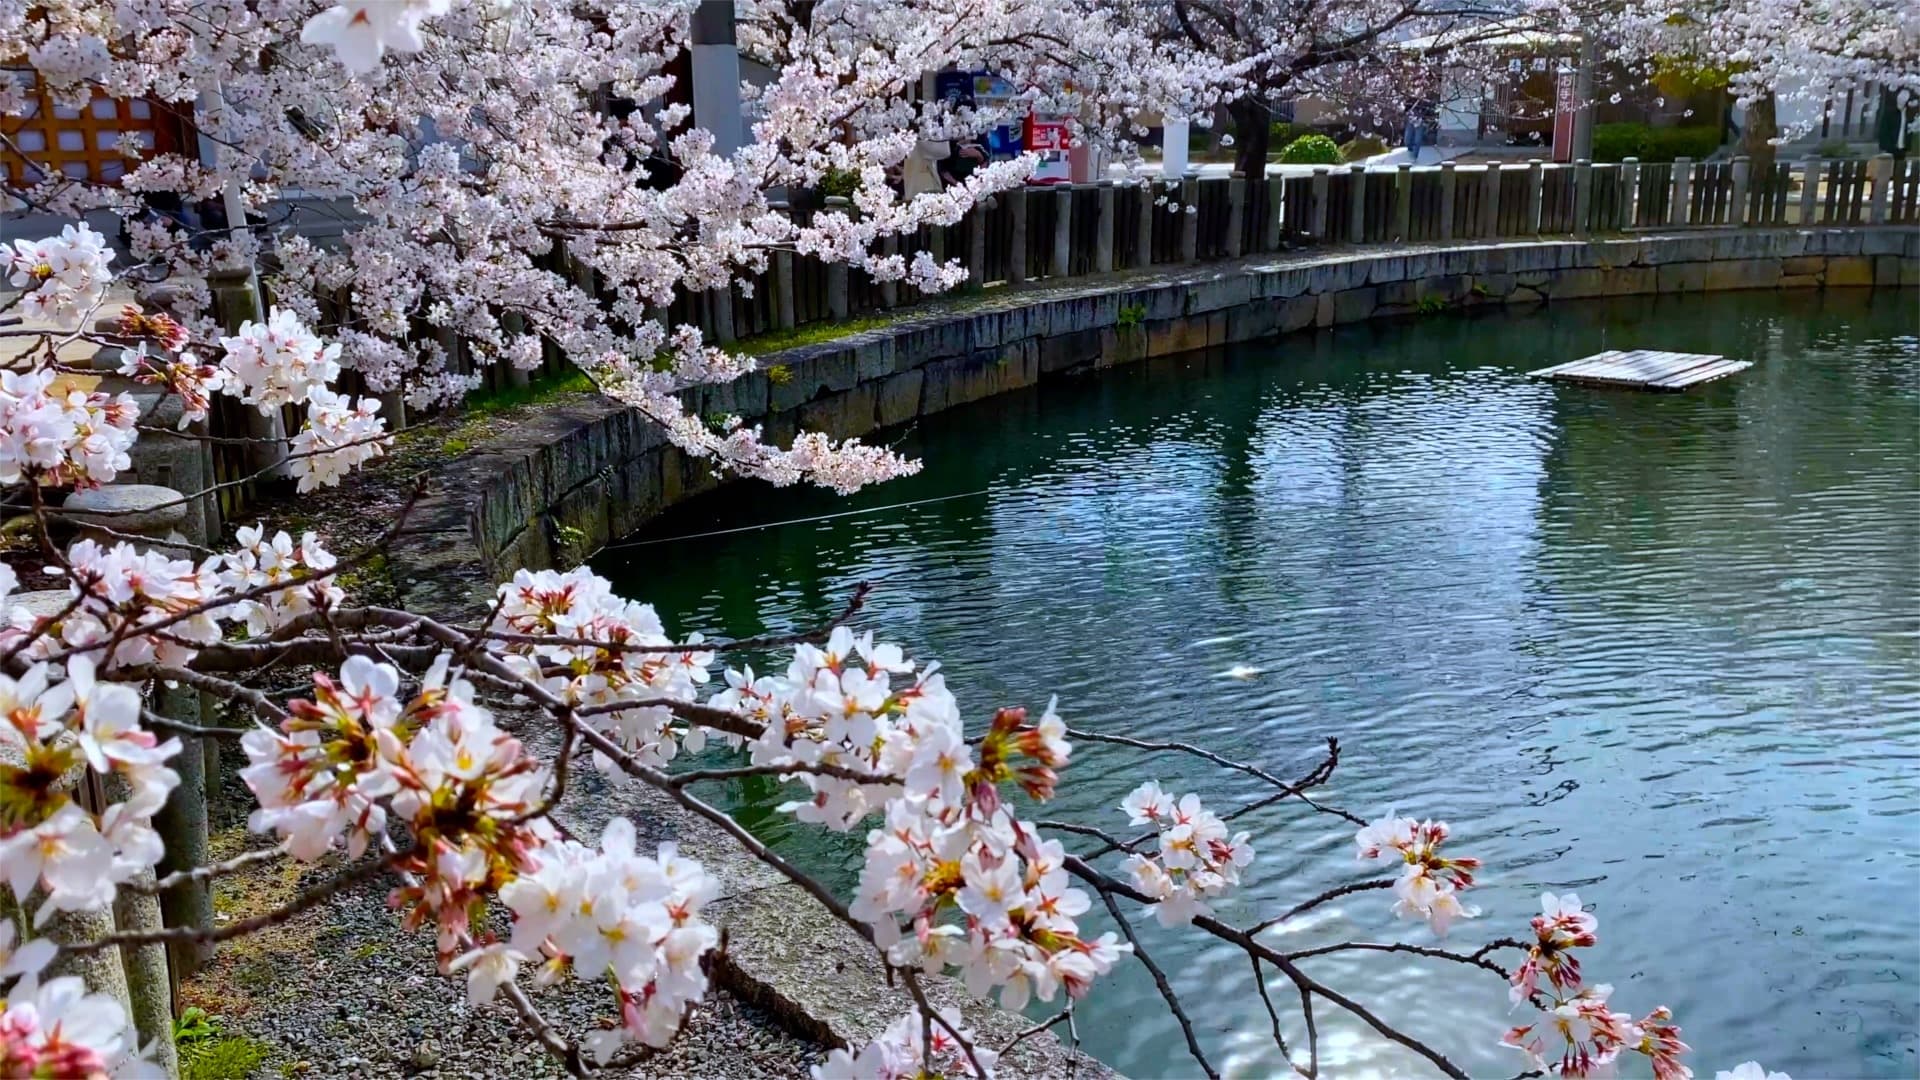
(1072, 230)
(1075, 230)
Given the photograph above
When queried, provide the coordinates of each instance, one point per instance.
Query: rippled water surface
(1660, 649)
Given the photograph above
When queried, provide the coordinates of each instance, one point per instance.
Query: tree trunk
(1251, 120)
(1756, 137)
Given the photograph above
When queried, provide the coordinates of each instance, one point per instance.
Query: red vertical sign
(1564, 106)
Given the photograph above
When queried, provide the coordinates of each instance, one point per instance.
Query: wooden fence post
(1742, 181)
(1143, 221)
(1629, 192)
(1317, 218)
(1357, 204)
(784, 317)
(1189, 219)
(1403, 203)
(1236, 213)
(1276, 206)
(1103, 228)
(837, 300)
(977, 244)
(1062, 262)
(1880, 171)
(1448, 182)
(1582, 196)
(1017, 246)
(720, 301)
(1536, 191)
(1809, 189)
(1490, 201)
(1677, 214)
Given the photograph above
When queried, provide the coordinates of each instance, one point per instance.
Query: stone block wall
(569, 481)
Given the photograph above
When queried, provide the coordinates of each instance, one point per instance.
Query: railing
(1072, 230)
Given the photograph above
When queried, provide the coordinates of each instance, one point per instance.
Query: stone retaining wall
(572, 480)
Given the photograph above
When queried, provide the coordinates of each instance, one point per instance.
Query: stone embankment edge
(564, 481)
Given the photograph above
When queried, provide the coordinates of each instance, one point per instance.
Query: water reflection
(1658, 648)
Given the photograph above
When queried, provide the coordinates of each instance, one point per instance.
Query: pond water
(1660, 649)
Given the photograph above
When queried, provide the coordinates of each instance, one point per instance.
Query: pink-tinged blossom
(1562, 926)
(59, 1029)
(1197, 861)
(1579, 1036)
(1430, 883)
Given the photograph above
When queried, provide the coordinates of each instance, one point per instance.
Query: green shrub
(1362, 147)
(1311, 150)
(1835, 148)
(1694, 141)
(1617, 142)
(840, 182)
(1280, 133)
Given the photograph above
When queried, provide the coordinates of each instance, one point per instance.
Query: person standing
(920, 173)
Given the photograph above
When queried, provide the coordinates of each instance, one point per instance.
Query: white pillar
(716, 76)
(1173, 149)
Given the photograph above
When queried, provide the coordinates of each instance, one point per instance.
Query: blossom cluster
(56, 856)
(79, 438)
(148, 606)
(57, 1028)
(63, 277)
(261, 561)
(153, 608)
(76, 438)
(1197, 861)
(612, 912)
(1577, 1033)
(340, 435)
(591, 648)
(46, 838)
(279, 362)
(903, 1052)
(359, 754)
(952, 878)
(1430, 883)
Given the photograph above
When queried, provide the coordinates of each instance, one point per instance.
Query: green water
(1660, 649)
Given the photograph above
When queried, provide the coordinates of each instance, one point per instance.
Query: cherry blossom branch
(1160, 983)
(207, 872)
(364, 871)
(1307, 984)
(791, 768)
(1401, 947)
(772, 641)
(1308, 905)
(1260, 984)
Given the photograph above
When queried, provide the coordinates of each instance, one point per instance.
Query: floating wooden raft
(1644, 369)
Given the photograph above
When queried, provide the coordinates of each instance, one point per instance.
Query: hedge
(1617, 142)
(1362, 147)
(1311, 150)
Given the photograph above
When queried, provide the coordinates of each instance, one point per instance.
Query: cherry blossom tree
(1349, 52)
(1816, 51)
(409, 757)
